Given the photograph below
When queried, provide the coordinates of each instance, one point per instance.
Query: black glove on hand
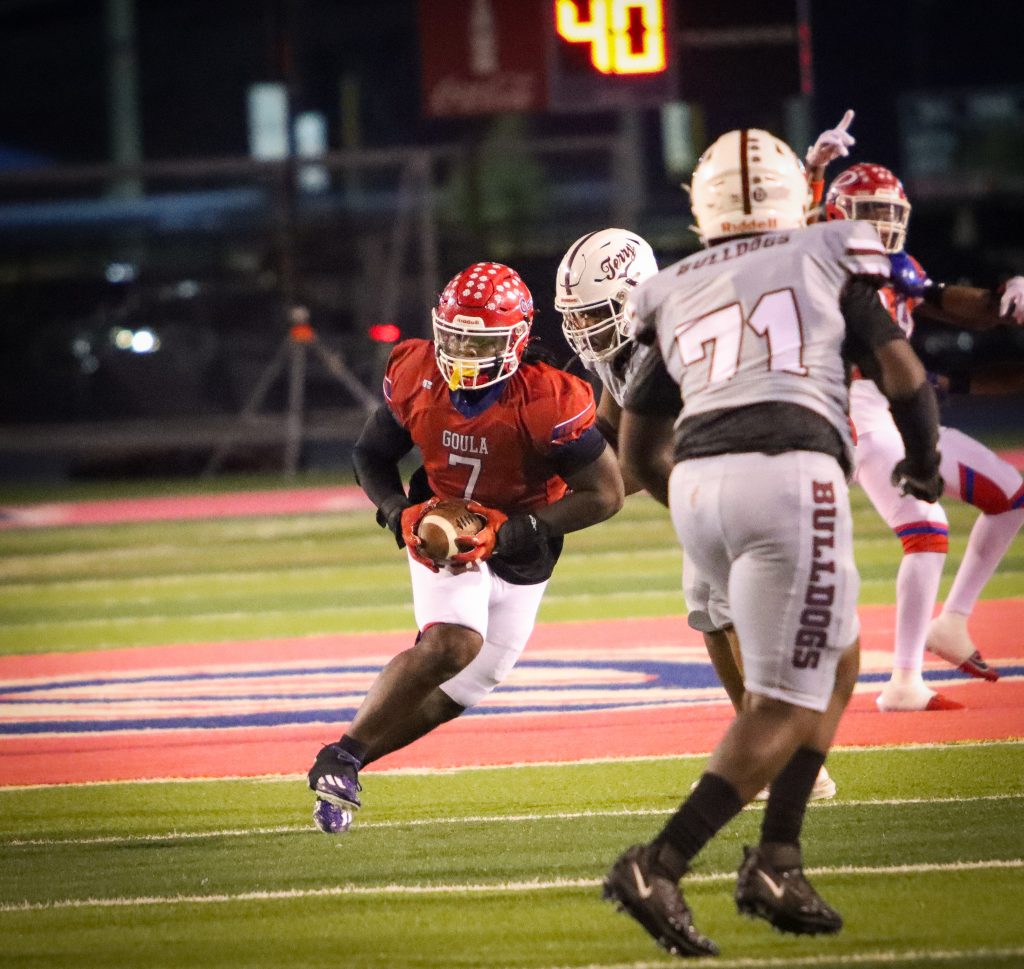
(920, 482)
(389, 515)
(521, 537)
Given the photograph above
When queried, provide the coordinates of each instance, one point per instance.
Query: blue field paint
(295, 695)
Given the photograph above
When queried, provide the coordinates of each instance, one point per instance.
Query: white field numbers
(775, 318)
(474, 471)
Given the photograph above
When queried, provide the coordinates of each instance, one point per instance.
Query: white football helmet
(595, 277)
(748, 181)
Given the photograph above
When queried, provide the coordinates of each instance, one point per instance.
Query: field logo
(316, 691)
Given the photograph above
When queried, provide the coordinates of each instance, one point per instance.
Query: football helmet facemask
(872, 194)
(748, 181)
(481, 326)
(596, 275)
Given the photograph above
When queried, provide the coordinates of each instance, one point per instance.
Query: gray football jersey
(758, 319)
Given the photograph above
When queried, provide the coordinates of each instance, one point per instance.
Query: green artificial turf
(138, 584)
(496, 868)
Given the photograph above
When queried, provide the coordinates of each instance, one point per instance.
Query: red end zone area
(582, 690)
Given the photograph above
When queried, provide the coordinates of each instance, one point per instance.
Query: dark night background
(214, 288)
(198, 58)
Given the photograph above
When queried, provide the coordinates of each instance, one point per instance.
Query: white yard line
(471, 888)
(183, 836)
(879, 957)
(433, 771)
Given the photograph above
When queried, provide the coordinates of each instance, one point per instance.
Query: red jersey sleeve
(409, 368)
(560, 408)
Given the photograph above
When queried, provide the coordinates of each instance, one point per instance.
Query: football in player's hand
(441, 529)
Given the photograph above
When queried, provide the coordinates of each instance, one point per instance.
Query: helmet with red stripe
(873, 194)
(481, 326)
(747, 182)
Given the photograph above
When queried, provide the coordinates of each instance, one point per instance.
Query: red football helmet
(481, 326)
(873, 194)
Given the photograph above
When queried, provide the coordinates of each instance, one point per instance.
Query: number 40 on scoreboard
(625, 36)
(610, 54)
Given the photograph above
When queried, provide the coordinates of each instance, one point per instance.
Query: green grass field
(65, 589)
(500, 868)
(493, 868)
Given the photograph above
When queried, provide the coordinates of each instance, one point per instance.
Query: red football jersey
(502, 455)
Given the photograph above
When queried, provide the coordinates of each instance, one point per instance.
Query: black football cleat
(335, 778)
(778, 892)
(637, 888)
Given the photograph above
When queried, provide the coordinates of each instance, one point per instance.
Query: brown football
(440, 529)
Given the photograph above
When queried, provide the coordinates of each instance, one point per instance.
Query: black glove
(389, 515)
(920, 482)
(522, 537)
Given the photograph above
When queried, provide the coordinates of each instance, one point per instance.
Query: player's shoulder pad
(409, 363)
(856, 246)
(560, 405)
(851, 232)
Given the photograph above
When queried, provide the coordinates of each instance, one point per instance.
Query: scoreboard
(623, 37)
(610, 54)
(485, 56)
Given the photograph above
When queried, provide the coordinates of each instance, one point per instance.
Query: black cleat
(655, 901)
(335, 777)
(779, 893)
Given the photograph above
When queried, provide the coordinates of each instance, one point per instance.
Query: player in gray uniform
(596, 275)
(757, 333)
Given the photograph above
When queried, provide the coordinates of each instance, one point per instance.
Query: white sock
(908, 679)
(917, 585)
(990, 538)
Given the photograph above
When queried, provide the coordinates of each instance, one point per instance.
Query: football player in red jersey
(518, 438)
(970, 471)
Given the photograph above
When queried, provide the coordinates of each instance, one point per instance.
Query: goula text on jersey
(464, 443)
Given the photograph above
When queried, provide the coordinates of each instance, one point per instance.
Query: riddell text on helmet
(750, 225)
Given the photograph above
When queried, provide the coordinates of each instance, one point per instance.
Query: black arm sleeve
(381, 445)
(868, 325)
(650, 388)
(917, 419)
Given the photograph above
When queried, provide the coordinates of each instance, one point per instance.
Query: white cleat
(824, 788)
(947, 638)
(906, 693)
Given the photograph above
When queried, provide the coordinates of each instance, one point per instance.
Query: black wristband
(389, 515)
(521, 536)
(917, 419)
